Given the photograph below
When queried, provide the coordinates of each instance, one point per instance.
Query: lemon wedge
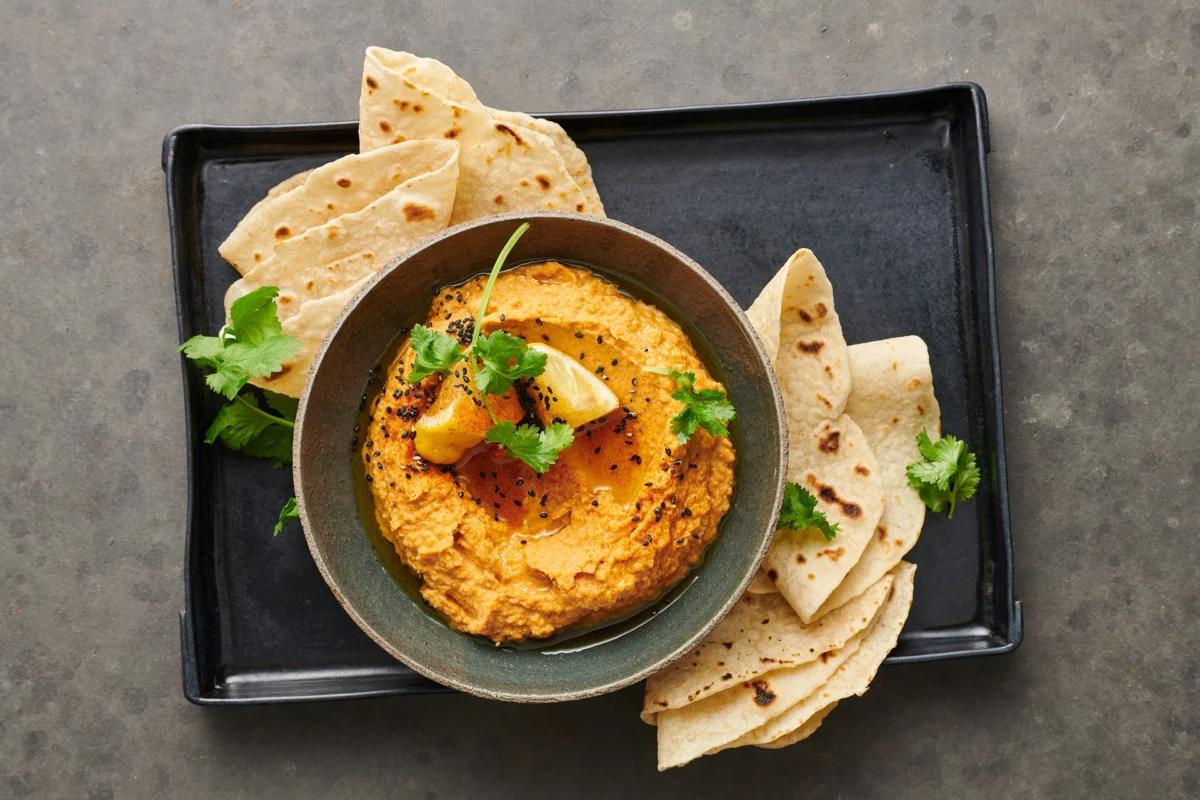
(455, 422)
(566, 390)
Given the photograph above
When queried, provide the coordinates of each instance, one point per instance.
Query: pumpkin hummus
(622, 515)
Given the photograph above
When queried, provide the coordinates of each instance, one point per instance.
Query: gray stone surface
(1096, 169)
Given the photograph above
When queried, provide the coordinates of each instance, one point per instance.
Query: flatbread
(760, 634)
(395, 199)
(310, 326)
(892, 401)
(316, 196)
(795, 319)
(573, 157)
(804, 731)
(854, 675)
(501, 169)
(716, 722)
(835, 463)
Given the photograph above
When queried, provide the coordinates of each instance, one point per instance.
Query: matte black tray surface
(890, 191)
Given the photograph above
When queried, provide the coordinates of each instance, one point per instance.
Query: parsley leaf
(538, 449)
(252, 345)
(288, 513)
(947, 475)
(245, 426)
(505, 358)
(800, 512)
(704, 408)
(435, 352)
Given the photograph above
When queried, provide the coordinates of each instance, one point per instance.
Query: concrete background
(1096, 169)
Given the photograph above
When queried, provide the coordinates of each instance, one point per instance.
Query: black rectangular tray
(890, 190)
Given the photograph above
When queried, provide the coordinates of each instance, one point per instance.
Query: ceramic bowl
(398, 620)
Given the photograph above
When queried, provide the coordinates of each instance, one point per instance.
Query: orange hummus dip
(619, 519)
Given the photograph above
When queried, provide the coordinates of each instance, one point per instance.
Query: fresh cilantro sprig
(244, 425)
(495, 360)
(947, 474)
(800, 513)
(252, 345)
(702, 408)
(537, 448)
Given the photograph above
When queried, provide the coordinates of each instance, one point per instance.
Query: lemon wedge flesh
(566, 390)
(455, 422)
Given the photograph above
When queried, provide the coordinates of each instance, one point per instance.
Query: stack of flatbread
(822, 615)
(431, 155)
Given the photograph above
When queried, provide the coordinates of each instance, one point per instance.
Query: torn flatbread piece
(391, 199)
(715, 722)
(892, 401)
(836, 465)
(795, 317)
(854, 675)
(760, 634)
(314, 197)
(503, 169)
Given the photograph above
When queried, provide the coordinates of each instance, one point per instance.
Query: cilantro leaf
(288, 513)
(538, 449)
(245, 426)
(239, 362)
(252, 345)
(435, 352)
(705, 408)
(505, 358)
(254, 317)
(948, 474)
(204, 350)
(800, 513)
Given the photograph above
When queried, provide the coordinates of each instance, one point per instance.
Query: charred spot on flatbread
(763, 695)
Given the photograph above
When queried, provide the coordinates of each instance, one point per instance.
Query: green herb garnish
(800, 513)
(252, 345)
(288, 513)
(495, 360)
(244, 425)
(434, 351)
(703, 408)
(504, 358)
(538, 449)
(947, 475)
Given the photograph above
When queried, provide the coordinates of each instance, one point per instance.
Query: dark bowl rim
(766, 537)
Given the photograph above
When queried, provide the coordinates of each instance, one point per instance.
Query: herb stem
(254, 407)
(495, 273)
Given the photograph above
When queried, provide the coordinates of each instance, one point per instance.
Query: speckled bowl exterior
(399, 297)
